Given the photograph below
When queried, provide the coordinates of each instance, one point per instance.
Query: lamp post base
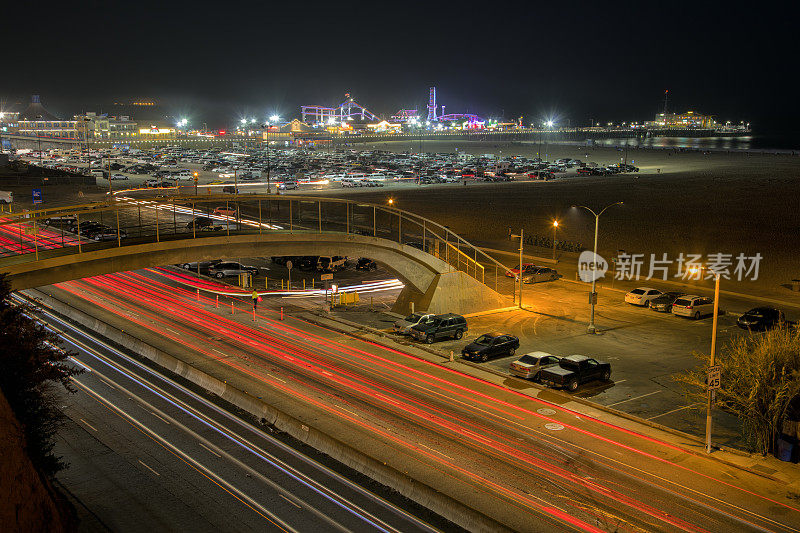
(591, 330)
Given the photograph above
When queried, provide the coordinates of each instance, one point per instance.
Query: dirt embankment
(27, 501)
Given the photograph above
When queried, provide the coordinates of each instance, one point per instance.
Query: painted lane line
(209, 449)
(436, 451)
(160, 418)
(634, 398)
(346, 410)
(290, 501)
(673, 411)
(88, 424)
(147, 467)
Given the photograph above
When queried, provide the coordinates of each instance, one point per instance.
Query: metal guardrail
(34, 235)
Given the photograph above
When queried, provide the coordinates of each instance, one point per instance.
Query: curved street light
(592, 329)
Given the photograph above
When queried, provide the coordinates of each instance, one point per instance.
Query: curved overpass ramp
(430, 283)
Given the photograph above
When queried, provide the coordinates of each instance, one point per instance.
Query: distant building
(38, 121)
(98, 127)
(689, 119)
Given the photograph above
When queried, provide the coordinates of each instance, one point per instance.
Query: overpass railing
(38, 234)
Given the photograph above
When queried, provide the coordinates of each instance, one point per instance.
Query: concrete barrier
(412, 489)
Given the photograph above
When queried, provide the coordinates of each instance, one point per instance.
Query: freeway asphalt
(527, 462)
(147, 453)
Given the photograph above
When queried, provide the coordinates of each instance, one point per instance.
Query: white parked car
(693, 306)
(118, 177)
(642, 295)
(403, 326)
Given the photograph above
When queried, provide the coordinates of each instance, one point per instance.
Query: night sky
(217, 61)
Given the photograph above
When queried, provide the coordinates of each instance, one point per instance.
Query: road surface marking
(437, 451)
(273, 377)
(88, 424)
(209, 449)
(673, 411)
(634, 398)
(346, 410)
(107, 383)
(160, 418)
(290, 501)
(172, 330)
(150, 469)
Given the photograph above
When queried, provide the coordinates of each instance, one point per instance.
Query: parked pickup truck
(574, 370)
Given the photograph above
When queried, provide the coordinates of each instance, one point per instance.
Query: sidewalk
(372, 327)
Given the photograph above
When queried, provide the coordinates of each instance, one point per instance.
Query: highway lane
(530, 463)
(198, 467)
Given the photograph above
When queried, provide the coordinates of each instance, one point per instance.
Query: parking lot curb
(614, 412)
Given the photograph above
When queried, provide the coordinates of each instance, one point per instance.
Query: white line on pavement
(88, 424)
(634, 398)
(673, 411)
(147, 467)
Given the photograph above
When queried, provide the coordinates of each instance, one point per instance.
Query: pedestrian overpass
(441, 271)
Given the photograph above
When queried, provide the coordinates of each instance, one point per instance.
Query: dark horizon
(575, 64)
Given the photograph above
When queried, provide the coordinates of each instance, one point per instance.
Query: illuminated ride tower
(432, 105)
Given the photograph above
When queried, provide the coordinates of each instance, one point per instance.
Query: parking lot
(646, 349)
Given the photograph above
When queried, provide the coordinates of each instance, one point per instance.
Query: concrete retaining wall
(405, 485)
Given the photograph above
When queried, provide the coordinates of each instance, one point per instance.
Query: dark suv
(440, 326)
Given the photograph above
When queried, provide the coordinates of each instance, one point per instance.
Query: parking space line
(634, 398)
(673, 411)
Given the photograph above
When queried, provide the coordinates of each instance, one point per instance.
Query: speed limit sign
(714, 377)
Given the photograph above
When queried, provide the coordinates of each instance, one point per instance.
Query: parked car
(288, 185)
(761, 319)
(575, 370)
(200, 223)
(87, 228)
(365, 263)
(663, 302)
(328, 263)
(118, 177)
(403, 326)
(531, 364)
(107, 234)
(204, 265)
(62, 221)
(514, 272)
(230, 268)
(225, 211)
(642, 295)
(439, 327)
(490, 345)
(693, 306)
(539, 274)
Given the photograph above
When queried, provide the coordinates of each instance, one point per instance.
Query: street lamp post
(555, 227)
(710, 391)
(593, 297)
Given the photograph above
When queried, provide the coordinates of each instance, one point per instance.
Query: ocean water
(750, 143)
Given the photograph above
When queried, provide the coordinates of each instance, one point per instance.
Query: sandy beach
(697, 203)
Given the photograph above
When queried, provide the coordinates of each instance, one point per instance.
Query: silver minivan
(693, 306)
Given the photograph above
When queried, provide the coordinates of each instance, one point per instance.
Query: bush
(760, 376)
(31, 367)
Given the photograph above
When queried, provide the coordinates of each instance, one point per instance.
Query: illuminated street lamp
(274, 118)
(549, 123)
(593, 297)
(555, 227)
